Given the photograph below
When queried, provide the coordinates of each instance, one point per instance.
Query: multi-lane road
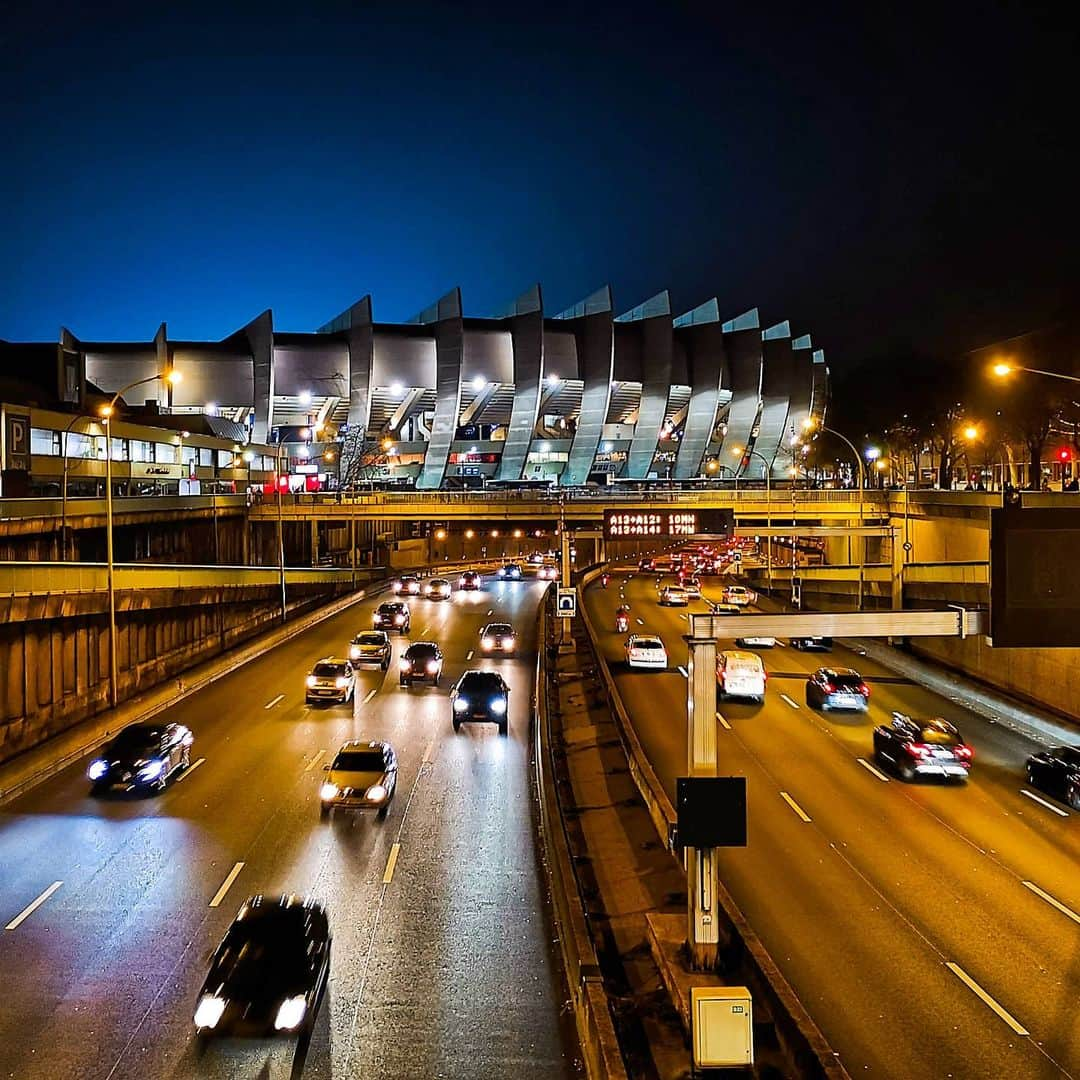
(931, 930)
(443, 961)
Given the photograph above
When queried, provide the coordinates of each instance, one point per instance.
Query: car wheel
(503, 728)
(403, 682)
(186, 761)
(907, 772)
(385, 664)
(1031, 777)
(324, 813)
(457, 725)
(1072, 796)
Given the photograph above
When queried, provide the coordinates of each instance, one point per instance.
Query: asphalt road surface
(443, 961)
(931, 930)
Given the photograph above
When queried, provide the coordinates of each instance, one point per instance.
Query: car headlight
(354, 653)
(427, 590)
(97, 769)
(209, 1011)
(291, 1013)
(502, 572)
(328, 791)
(498, 706)
(397, 586)
(152, 770)
(399, 619)
(405, 664)
(310, 680)
(488, 643)
(341, 682)
(461, 583)
(460, 704)
(433, 666)
(376, 793)
(508, 642)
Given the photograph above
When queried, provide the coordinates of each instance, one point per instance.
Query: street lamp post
(740, 452)
(64, 488)
(280, 533)
(810, 425)
(1003, 370)
(171, 376)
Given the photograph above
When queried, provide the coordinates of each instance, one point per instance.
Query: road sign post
(566, 603)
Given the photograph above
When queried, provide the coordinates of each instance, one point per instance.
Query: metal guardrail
(19, 509)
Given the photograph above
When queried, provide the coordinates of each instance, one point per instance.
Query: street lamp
(172, 376)
(738, 451)
(810, 424)
(1003, 369)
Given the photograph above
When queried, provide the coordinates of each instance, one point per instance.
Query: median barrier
(592, 1014)
(799, 1037)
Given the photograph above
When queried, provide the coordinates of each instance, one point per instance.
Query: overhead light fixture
(305, 397)
(478, 383)
(397, 389)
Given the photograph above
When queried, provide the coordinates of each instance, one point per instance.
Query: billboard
(1034, 583)
(666, 524)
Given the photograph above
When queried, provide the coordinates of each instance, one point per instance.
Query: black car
(469, 580)
(1057, 772)
(510, 571)
(922, 748)
(837, 688)
(822, 643)
(480, 695)
(421, 660)
(268, 974)
(143, 757)
(391, 615)
(407, 585)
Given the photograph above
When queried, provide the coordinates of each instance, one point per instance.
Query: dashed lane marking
(391, 862)
(641, 622)
(795, 806)
(190, 769)
(234, 873)
(369, 695)
(683, 672)
(1052, 901)
(314, 761)
(979, 992)
(1042, 802)
(271, 704)
(470, 656)
(873, 770)
(793, 704)
(722, 722)
(33, 906)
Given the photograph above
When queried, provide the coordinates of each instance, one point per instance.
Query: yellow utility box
(722, 1026)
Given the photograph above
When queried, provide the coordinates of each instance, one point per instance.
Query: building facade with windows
(446, 400)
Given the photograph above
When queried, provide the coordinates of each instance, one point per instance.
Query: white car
(646, 651)
(738, 594)
(740, 674)
(438, 589)
(692, 588)
(548, 572)
(674, 596)
(761, 642)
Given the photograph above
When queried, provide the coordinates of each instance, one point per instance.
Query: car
(438, 589)
(268, 975)
(915, 748)
(646, 651)
(740, 675)
(1057, 772)
(498, 637)
(510, 571)
(470, 580)
(482, 696)
(143, 757)
(837, 688)
(646, 564)
(371, 647)
(814, 642)
(392, 615)
(673, 596)
(726, 609)
(421, 660)
(757, 641)
(536, 558)
(362, 776)
(737, 594)
(548, 571)
(408, 585)
(331, 679)
(691, 586)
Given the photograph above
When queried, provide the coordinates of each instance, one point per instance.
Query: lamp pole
(64, 489)
(280, 534)
(862, 495)
(768, 508)
(171, 376)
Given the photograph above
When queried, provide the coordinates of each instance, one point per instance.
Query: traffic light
(1064, 455)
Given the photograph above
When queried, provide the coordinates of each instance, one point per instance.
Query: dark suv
(421, 660)
(922, 748)
(837, 688)
(1057, 772)
(480, 695)
(392, 615)
(143, 757)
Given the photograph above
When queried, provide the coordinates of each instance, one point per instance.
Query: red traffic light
(1064, 454)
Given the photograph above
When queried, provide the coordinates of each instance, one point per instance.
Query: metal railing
(52, 507)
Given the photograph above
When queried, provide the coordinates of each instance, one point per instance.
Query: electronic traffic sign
(666, 524)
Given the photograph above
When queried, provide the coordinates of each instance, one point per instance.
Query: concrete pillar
(314, 541)
(898, 557)
(701, 879)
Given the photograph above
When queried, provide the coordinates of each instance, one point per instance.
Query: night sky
(874, 177)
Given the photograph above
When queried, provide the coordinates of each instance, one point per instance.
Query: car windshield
(743, 667)
(420, 651)
(481, 682)
(263, 953)
(391, 609)
(500, 629)
(369, 639)
(648, 645)
(1070, 755)
(328, 670)
(359, 761)
(848, 679)
(135, 740)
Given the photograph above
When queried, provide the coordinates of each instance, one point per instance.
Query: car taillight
(830, 688)
(963, 751)
(916, 749)
(864, 689)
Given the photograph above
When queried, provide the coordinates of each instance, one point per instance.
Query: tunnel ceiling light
(553, 380)
(478, 383)
(397, 389)
(305, 397)
(210, 408)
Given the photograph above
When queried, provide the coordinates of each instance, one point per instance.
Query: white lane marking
(1052, 901)
(369, 695)
(722, 722)
(683, 672)
(793, 704)
(234, 873)
(682, 616)
(469, 657)
(979, 992)
(428, 750)
(641, 622)
(795, 806)
(391, 862)
(314, 761)
(32, 907)
(424, 632)
(779, 643)
(1042, 802)
(271, 704)
(190, 769)
(873, 770)
(490, 610)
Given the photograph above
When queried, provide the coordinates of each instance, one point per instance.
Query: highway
(930, 930)
(444, 962)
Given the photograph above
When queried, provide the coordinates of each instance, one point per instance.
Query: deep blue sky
(873, 177)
